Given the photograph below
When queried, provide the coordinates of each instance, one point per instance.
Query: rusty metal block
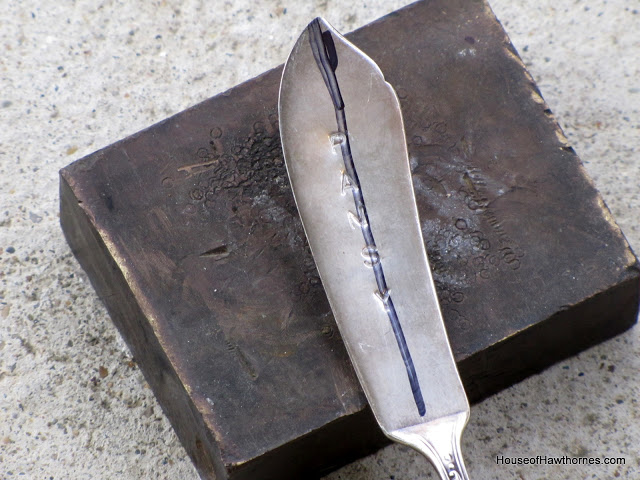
(190, 235)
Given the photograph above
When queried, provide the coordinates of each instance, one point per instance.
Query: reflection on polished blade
(352, 184)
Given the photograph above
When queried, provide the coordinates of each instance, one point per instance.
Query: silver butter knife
(345, 151)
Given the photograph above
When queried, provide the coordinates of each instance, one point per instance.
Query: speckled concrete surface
(77, 76)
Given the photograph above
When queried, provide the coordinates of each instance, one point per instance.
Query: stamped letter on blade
(345, 150)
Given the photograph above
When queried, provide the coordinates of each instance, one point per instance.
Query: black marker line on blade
(325, 55)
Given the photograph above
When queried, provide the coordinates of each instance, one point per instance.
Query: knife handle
(439, 441)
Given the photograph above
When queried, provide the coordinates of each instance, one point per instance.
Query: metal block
(190, 235)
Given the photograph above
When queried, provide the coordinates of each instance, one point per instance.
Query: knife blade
(346, 155)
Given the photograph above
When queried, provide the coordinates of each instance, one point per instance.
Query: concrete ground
(77, 76)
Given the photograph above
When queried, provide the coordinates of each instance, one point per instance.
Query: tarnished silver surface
(344, 145)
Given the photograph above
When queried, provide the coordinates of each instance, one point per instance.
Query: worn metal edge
(538, 347)
(110, 284)
(359, 436)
